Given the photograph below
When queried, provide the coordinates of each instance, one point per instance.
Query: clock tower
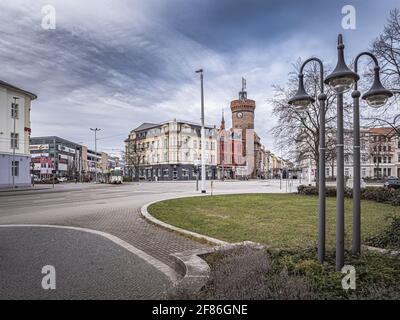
(243, 110)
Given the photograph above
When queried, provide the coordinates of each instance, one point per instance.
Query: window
(389, 171)
(166, 172)
(15, 168)
(389, 159)
(365, 158)
(363, 145)
(347, 172)
(364, 172)
(14, 110)
(14, 140)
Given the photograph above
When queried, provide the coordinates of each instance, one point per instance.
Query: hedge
(378, 194)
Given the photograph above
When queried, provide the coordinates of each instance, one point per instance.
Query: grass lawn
(281, 220)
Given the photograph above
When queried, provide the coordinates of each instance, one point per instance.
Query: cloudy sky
(116, 64)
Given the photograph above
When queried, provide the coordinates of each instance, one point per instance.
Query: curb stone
(152, 219)
(195, 269)
(383, 251)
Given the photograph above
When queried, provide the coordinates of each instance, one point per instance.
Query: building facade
(169, 150)
(379, 155)
(67, 159)
(15, 129)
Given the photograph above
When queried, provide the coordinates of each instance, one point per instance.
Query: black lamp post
(301, 101)
(376, 97)
(341, 80)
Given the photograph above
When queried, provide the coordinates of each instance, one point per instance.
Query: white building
(15, 128)
(379, 155)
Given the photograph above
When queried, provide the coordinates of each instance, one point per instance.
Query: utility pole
(203, 140)
(95, 148)
(13, 167)
(53, 171)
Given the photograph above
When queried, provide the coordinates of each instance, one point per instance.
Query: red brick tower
(243, 110)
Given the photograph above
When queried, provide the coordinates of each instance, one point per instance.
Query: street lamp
(95, 149)
(301, 101)
(376, 97)
(203, 137)
(14, 141)
(340, 80)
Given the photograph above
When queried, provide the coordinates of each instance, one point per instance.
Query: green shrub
(329, 191)
(378, 194)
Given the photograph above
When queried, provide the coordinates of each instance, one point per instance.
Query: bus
(116, 175)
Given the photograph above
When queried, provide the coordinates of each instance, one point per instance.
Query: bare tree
(387, 48)
(302, 127)
(134, 156)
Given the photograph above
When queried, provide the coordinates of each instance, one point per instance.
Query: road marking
(168, 271)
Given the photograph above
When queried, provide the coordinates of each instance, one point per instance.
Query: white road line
(168, 271)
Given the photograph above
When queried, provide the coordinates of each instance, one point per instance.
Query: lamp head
(377, 96)
(301, 100)
(342, 78)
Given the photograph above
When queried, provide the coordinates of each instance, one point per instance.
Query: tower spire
(243, 93)
(222, 120)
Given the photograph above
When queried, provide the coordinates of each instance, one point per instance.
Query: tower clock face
(239, 115)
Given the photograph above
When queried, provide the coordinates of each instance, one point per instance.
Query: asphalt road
(87, 266)
(111, 209)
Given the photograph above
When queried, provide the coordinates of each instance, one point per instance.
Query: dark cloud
(114, 64)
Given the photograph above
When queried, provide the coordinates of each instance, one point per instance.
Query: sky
(116, 64)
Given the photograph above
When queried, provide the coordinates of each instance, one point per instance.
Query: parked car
(392, 183)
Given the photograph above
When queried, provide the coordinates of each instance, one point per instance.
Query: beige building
(169, 150)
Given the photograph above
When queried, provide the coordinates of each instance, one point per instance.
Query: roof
(382, 131)
(149, 125)
(51, 139)
(14, 88)
(145, 126)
